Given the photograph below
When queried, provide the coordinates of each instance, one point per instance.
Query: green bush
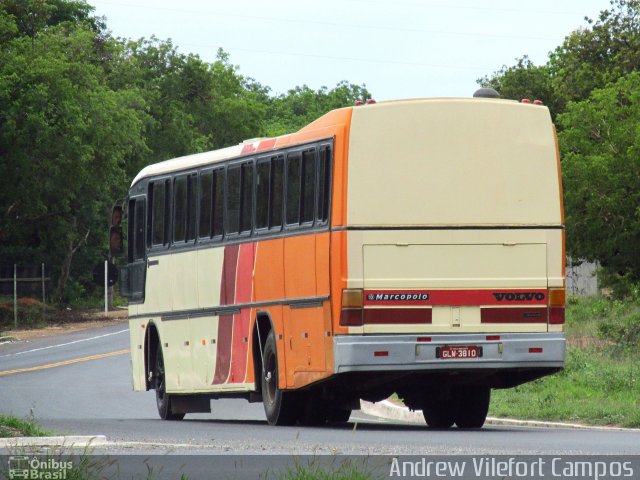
(623, 330)
(31, 314)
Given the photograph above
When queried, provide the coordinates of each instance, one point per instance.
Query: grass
(600, 384)
(596, 388)
(316, 469)
(11, 426)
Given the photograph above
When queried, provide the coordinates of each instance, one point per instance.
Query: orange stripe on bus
(242, 320)
(225, 323)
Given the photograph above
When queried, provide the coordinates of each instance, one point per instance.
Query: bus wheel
(163, 399)
(473, 406)
(439, 413)
(338, 415)
(312, 411)
(279, 406)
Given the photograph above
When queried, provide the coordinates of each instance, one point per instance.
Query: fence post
(43, 298)
(15, 296)
(106, 286)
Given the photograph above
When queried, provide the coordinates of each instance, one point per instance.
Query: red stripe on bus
(507, 296)
(242, 320)
(225, 322)
(247, 148)
(513, 315)
(267, 144)
(374, 316)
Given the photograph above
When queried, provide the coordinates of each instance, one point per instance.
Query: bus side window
(246, 202)
(233, 200)
(192, 192)
(136, 229)
(276, 191)
(308, 196)
(293, 189)
(324, 183)
(205, 198)
(263, 181)
(180, 209)
(158, 213)
(218, 203)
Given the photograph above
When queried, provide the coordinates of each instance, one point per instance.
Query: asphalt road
(80, 384)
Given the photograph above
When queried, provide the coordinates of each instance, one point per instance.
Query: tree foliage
(525, 80)
(590, 84)
(302, 105)
(600, 142)
(82, 112)
(593, 57)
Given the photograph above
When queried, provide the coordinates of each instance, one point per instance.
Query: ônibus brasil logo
(32, 468)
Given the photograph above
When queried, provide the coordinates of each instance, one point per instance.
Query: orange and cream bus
(414, 247)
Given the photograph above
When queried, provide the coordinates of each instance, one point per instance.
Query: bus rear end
(452, 279)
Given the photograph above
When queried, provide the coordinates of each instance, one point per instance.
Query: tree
(64, 137)
(194, 106)
(600, 143)
(302, 105)
(81, 113)
(593, 57)
(525, 80)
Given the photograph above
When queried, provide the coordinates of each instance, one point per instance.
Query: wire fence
(23, 290)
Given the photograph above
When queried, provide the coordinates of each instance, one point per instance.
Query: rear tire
(439, 413)
(280, 406)
(163, 399)
(473, 406)
(339, 415)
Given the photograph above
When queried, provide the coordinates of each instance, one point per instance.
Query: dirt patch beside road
(88, 320)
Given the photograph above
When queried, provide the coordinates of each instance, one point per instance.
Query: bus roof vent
(486, 93)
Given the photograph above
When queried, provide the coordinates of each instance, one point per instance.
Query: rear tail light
(556, 315)
(557, 298)
(351, 314)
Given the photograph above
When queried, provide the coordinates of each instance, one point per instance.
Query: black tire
(338, 415)
(439, 413)
(163, 399)
(280, 407)
(473, 406)
(312, 411)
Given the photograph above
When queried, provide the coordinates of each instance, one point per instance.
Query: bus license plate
(456, 352)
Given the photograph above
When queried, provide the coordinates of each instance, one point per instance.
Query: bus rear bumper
(362, 353)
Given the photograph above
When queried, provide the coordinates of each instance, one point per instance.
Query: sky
(397, 48)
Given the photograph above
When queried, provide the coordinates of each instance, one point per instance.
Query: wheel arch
(263, 325)
(151, 343)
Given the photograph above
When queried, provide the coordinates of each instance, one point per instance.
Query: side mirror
(116, 216)
(116, 241)
(116, 238)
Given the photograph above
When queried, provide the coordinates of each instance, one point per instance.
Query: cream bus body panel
(178, 282)
(454, 259)
(469, 161)
(475, 213)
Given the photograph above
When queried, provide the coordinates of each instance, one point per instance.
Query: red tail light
(351, 314)
(351, 317)
(556, 315)
(557, 297)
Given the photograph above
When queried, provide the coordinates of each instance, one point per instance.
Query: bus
(413, 247)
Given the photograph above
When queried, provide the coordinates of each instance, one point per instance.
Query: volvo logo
(518, 296)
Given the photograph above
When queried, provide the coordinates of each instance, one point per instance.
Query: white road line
(65, 344)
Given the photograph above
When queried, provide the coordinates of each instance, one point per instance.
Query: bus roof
(258, 145)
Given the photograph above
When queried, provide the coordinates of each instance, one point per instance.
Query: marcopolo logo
(398, 297)
(34, 468)
(519, 296)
